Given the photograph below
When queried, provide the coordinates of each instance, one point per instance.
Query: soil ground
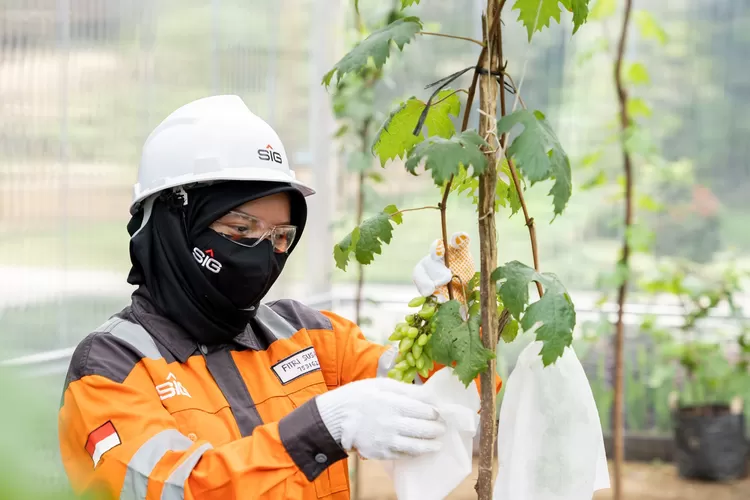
(642, 482)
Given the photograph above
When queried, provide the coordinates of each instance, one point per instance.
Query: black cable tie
(445, 81)
(448, 79)
(483, 71)
(440, 85)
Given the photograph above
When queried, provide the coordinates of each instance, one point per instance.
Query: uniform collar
(171, 335)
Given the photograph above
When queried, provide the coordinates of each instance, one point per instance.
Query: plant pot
(710, 443)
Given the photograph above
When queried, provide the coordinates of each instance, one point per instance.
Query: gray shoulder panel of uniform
(276, 324)
(112, 351)
(301, 316)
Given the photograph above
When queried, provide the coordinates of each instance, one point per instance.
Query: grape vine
(422, 135)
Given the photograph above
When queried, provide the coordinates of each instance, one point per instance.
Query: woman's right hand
(382, 418)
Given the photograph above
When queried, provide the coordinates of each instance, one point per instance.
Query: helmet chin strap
(180, 192)
(148, 207)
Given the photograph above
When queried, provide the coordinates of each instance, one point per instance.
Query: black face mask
(173, 265)
(242, 274)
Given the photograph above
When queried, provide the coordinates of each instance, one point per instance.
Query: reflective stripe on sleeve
(144, 460)
(174, 488)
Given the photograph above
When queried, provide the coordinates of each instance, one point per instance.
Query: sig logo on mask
(206, 259)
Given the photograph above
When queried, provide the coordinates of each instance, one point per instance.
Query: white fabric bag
(550, 444)
(435, 476)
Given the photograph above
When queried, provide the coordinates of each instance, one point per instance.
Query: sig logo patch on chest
(296, 365)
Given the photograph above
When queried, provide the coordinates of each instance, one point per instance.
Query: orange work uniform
(148, 413)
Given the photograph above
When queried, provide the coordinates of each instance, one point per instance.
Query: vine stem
(489, 91)
(449, 96)
(517, 183)
(455, 37)
(529, 220)
(464, 124)
(516, 90)
(619, 424)
(428, 207)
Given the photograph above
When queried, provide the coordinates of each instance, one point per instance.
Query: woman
(196, 389)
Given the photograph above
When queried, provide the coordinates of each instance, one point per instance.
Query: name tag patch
(296, 365)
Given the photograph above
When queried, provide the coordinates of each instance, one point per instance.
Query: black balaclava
(169, 258)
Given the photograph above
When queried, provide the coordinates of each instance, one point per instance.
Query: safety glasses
(240, 227)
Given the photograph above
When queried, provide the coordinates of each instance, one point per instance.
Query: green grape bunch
(413, 336)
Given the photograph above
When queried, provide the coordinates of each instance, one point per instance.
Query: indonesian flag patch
(101, 440)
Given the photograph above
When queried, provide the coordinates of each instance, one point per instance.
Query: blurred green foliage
(697, 351)
(30, 467)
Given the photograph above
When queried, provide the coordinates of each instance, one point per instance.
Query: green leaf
(341, 131)
(638, 140)
(539, 154)
(438, 122)
(602, 9)
(535, 15)
(640, 238)
(591, 159)
(555, 310)
(457, 340)
(597, 46)
(637, 74)
(557, 316)
(638, 107)
(646, 202)
(376, 46)
(510, 332)
(464, 184)
(473, 284)
(407, 3)
(366, 239)
(614, 279)
(505, 192)
(376, 177)
(514, 293)
(599, 179)
(580, 10)
(649, 27)
(443, 157)
(396, 138)
(353, 98)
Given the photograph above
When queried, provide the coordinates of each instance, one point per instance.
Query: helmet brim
(234, 174)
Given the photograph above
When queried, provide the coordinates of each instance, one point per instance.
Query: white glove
(382, 418)
(431, 275)
(430, 272)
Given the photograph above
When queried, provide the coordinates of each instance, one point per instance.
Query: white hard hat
(212, 139)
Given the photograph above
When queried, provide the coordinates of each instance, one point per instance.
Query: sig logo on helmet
(206, 259)
(269, 154)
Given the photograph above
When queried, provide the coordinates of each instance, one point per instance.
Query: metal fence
(82, 83)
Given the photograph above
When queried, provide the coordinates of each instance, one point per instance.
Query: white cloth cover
(550, 444)
(436, 475)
